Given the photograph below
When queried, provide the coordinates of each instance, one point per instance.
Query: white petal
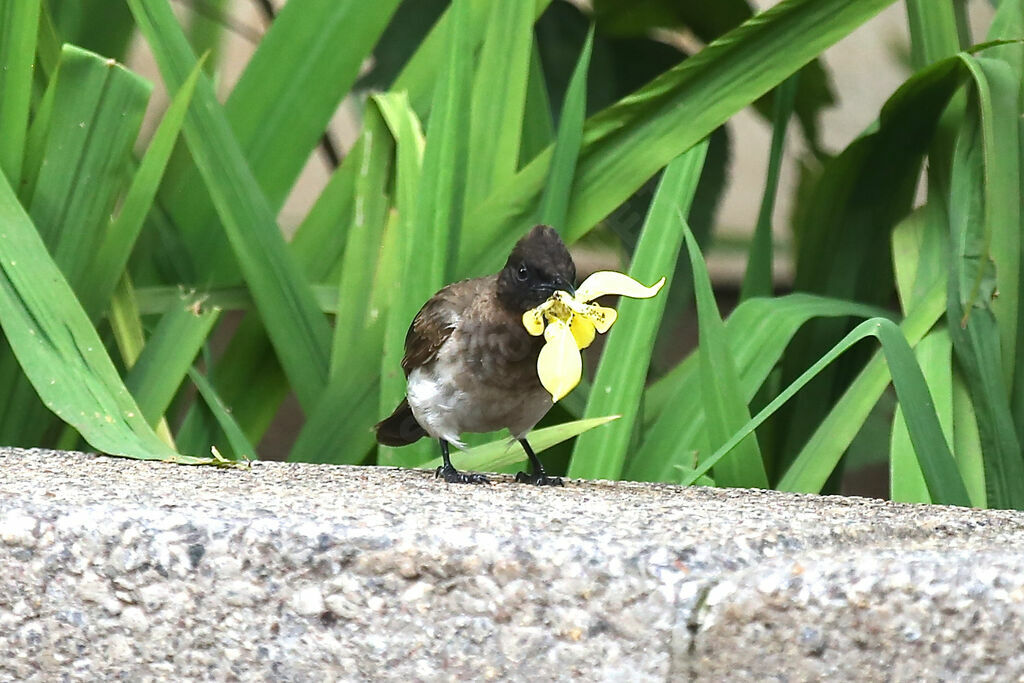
(559, 365)
(533, 319)
(610, 282)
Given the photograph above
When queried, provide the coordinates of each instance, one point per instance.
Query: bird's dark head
(537, 267)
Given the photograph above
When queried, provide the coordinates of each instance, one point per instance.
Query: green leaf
(758, 331)
(355, 394)
(934, 354)
(390, 383)
(100, 26)
(155, 377)
(622, 374)
(319, 241)
(302, 69)
(967, 443)
(538, 128)
(920, 248)
(240, 444)
(920, 252)
(758, 279)
(933, 32)
(82, 165)
(820, 455)
(554, 204)
(940, 470)
(93, 117)
(1008, 24)
(435, 231)
(627, 143)
(720, 390)
(498, 99)
(58, 348)
(296, 327)
(126, 322)
(357, 391)
(984, 220)
(126, 327)
(357, 323)
(495, 455)
(424, 67)
(248, 376)
(106, 266)
(842, 231)
(19, 22)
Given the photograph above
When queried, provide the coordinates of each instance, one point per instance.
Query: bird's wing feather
(437, 320)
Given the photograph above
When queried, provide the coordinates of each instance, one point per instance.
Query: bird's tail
(401, 429)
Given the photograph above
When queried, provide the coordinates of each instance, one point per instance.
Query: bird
(471, 365)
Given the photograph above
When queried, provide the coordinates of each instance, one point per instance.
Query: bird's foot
(538, 479)
(453, 476)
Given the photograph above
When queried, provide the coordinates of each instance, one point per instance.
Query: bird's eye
(523, 273)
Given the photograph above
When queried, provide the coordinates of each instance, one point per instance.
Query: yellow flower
(571, 324)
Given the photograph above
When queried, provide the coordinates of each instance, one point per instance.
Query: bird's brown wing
(436, 321)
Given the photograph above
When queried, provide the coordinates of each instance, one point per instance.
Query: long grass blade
(248, 375)
(277, 113)
(498, 99)
(162, 366)
(19, 22)
(426, 64)
(1008, 24)
(554, 203)
(843, 230)
(934, 354)
(984, 195)
(93, 118)
(627, 143)
(82, 165)
(622, 374)
(538, 128)
(720, 390)
(109, 262)
(130, 338)
(816, 461)
(758, 279)
(933, 32)
(940, 470)
(355, 394)
(435, 230)
(58, 348)
(242, 448)
(298, 330)
(758, 332)
(357, 391)
(357, 323)
(967, 443)
(493, 456)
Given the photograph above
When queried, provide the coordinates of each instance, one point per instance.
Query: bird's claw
(538, 479)
(453, 476)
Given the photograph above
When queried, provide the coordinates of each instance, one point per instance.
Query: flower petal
(583, 331)
(533, 319)
(609, 282)
(602, 317)
(559, 365)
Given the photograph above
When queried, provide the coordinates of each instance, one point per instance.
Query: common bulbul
(470, 364)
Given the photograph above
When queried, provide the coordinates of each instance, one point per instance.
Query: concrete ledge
(299, 572)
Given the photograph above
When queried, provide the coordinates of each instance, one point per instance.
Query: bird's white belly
(446, 408)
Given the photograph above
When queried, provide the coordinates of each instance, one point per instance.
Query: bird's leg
(537, 475)
(452, 475)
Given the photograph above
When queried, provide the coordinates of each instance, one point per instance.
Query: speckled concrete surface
(301, 572)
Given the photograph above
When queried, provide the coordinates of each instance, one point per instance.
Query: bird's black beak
(555, 285)
(564, 285)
